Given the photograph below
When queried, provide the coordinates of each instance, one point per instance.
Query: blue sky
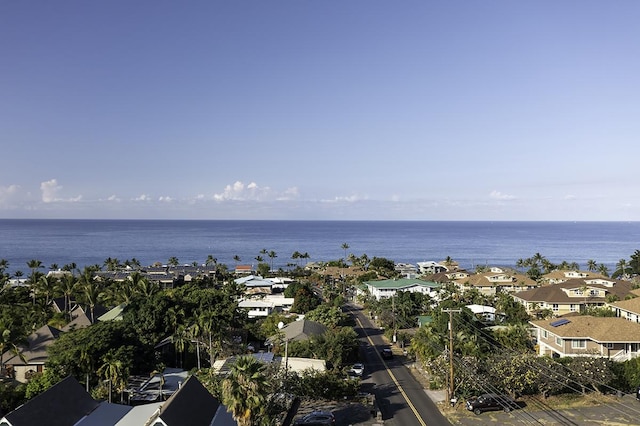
(372, 110)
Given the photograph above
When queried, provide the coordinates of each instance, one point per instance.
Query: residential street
(402, 400)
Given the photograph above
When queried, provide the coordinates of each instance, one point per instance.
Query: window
(572, 308)
(558, 341)
(608, 345)
(578, 344)
(555, 307)
(545, 333)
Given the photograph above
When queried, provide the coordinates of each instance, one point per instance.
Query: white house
(388, 288)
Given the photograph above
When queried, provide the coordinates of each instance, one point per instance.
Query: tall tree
(345, 247)
(245, 390)
(272, 255)
(67, 286)
(91, 289)
(621, 268)
(603, 270)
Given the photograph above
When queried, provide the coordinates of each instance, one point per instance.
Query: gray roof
(106, 414)
(193, 402)
(299, 330)
(35, 352)
(64, 404)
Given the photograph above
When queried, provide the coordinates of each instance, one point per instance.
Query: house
(79, 319)
(256, 308)
(297, 330)
(388, 288)
(299, 365)
(255, 284)
(223, 366)
(115, 314)
(482, 312)
(584, 335)
(64, 404)
(105, 414)
(68, 404)
(243, 269)
(573, 295)
(264, 306)
(33, 354)
(192, 404)
(628, 309)
(157, 387)
(429, 267)
(406, 270)
(495, 280)
(557, 277)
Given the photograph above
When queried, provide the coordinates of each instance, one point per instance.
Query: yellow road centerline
(393, 377)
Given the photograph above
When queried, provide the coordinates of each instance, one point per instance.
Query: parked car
(357, 369)
(491, 402)
(386, 353)
(316, 418)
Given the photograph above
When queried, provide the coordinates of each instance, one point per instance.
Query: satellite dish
(280, 325)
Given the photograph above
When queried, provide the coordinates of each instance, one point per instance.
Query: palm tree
(180, 340)
(345, 247)
(272, 255)
(91, 289)
(295, 256)
(603, 270)
(46, 287)
(244, 391)
(211, 260)
(173, 261)
(34, 265)
(621, 268)
(592, 265)
(9, 340)
(142, 285)
(114, 371)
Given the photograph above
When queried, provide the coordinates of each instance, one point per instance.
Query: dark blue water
(88, 242)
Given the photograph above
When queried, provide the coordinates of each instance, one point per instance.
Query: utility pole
(451, 388)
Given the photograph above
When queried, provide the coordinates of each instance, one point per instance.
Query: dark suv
(491, 402)
(386, 353)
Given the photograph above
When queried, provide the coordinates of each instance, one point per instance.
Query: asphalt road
(401, 399)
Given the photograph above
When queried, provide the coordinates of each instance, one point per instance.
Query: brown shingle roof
(554, 293)
(599, 329)
(631, 305)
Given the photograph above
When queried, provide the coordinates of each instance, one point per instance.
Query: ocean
(89, 242)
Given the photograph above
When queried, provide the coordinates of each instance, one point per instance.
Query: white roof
(139, 415)
(301, 364)
(481, 309)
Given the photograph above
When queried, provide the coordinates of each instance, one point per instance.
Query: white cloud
(113, 198)
(8, 194)
(348, 199)
(241, 192)
(289, 194)
(50, 190)
(165, 199)
(497, 195)
(142, 197)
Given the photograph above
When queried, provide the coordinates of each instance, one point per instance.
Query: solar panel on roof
(559, 322)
